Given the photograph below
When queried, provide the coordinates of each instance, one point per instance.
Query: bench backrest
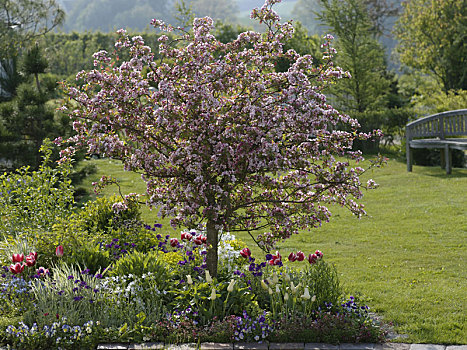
(442, 125)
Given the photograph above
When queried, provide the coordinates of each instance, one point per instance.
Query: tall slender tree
(359, 52)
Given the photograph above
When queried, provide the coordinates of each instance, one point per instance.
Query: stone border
(277, 346)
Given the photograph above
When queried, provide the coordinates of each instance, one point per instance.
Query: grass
(407, 258)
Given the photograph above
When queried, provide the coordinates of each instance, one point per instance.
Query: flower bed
(165, 293)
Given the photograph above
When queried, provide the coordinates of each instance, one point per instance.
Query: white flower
(306, 294)
(208, 277)
(286, 296)
(270, 291)
(231, 285)
(264, 285)
(189, 280)
(275, 279)
(213, 295)
(278, 289)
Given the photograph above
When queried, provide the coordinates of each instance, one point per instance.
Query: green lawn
(407, 258)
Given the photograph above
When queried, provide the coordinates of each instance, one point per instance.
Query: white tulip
(189, 280)
(208, 277)
(306, 294)
(231, 285)
(213, 294)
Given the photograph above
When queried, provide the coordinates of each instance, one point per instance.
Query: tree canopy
(432, 38)
(223, 141)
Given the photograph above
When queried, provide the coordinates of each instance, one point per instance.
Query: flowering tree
(223, 140)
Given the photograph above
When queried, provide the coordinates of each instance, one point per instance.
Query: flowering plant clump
(250, 299)
(223, 139)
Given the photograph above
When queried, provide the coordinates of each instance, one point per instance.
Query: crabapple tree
(223, 140)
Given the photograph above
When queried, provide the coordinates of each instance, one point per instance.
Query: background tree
(359, 52)
(224, 142)
(432, 38)
(29, 118)
(21, 21)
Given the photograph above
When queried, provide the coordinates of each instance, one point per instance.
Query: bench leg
(448, 157)
(442, 157)
(409, 155)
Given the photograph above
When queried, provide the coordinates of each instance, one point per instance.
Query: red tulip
(198, 240)
(204, 239)
(30, 261)
(245, 252)
(173, 242)
(34, 255)
(16, 258)
(312, 258)
(186, 235)
(59, 251)
(300, 255)
(17, 268)
(319, 254)
(276, 259)
(292, 257)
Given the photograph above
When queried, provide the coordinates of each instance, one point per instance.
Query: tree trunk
(212, 241)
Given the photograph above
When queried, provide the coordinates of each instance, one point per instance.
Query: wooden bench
(438, 131)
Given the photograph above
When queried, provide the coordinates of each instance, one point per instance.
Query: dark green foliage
(29, 118)
(34, 62)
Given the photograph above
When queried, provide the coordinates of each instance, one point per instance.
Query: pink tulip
(30, 261)
(245, 252)
(16, 258)
(59, 251)
(17, 268)
(300, 255)
(292, 257)
(173, 242)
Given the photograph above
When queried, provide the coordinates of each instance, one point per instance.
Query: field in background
(407, 259)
